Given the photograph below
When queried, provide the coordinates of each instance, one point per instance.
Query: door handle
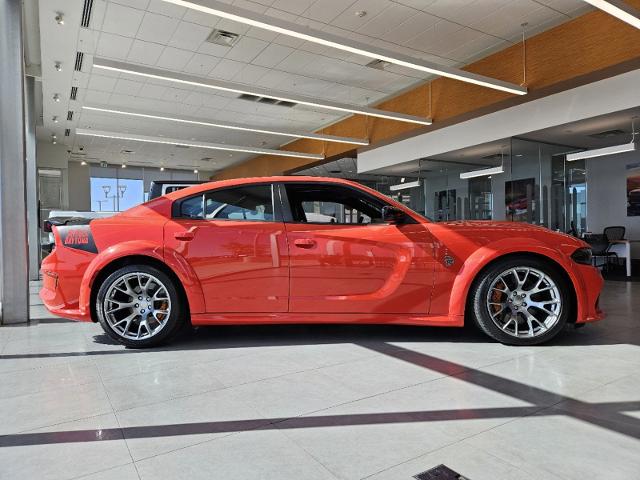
(185, 235)
(304, 243)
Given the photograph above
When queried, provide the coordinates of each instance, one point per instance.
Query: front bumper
(588, 290)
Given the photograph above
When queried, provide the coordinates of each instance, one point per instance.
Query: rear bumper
(60, 289)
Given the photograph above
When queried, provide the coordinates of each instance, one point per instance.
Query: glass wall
(117, 189)
(538, 186)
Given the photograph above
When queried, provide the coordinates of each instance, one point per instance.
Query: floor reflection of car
(264, 250)
(633, 202)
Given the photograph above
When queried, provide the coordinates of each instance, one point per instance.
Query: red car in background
(313, 250)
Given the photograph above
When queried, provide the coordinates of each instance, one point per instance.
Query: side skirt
(302, 318)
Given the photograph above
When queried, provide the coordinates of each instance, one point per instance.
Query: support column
(14, 265)
(33, 212)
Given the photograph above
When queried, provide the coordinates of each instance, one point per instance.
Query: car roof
(246, 181)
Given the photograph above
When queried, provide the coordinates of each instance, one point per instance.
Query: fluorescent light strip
(599, 152)
(482, 173)
(196, 144)
(185, 79)
(618, 9)
(403, 186)
(231, 126)
(302, 32)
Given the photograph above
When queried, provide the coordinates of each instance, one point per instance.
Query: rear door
(345, 259)
(234, 240)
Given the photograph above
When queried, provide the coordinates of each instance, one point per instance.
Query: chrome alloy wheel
(524, 302)
(137, 306)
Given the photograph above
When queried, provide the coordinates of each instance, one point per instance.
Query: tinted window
(332, 204)
(252, 203)
(191, 207)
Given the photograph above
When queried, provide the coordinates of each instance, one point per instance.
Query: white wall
(607, 196)
(55, 156)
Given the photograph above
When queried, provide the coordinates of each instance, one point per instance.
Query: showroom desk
(622, 248)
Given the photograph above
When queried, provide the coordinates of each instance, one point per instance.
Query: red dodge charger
(313, 250)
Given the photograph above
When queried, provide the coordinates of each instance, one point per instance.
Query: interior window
(252, 202)
(332, 204)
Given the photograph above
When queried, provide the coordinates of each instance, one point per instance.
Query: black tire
(479, 295)
(171, 326)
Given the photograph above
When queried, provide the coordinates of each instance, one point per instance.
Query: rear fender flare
(172, 259)
(495, 250)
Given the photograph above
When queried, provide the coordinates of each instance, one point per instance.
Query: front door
(345, 259)
(237, 247)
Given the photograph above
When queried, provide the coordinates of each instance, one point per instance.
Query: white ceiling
(153, 32)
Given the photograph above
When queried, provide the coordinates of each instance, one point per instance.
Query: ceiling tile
(414, 25)
(127, 87)
(272, 55)
(145, 52)
(292, 6)
(113, 46)
(102, 83)
(201, 64)
(157, 28)
(166, 8)
(246, 49)
(189, 36)
(226, 69)
(326, 10)
(174, 58)
(122, 20)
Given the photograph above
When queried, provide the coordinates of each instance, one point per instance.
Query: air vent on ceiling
(67, 132)
(377, 64)
(608, 133)
(222, 37)
(74, 93)
(266, 100)
(79, 58)
(86, 13)
(70, 115)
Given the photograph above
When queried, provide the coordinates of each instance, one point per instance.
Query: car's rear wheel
(139, 306)
(521, 301)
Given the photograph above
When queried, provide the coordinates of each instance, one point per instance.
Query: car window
(191, 207)
(251, 203)
(317, 203)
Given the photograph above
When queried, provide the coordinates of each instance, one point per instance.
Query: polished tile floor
(322, 402)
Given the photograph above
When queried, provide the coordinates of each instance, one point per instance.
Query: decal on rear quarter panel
(78, 237)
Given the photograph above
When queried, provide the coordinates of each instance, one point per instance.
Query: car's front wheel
(521, 301)
(139, 306)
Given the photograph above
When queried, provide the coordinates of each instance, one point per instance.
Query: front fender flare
(172, 259)
(495, 250)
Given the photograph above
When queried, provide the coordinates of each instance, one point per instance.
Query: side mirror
(393, 215)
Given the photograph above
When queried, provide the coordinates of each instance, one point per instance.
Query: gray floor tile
(45, 456)
(267, 455)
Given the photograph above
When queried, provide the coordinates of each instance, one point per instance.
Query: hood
(493, 230)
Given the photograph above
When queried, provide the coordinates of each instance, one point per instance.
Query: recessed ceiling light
(195, 171)
(58, 66)
(56, 97)
(185, 79)
(361, 13)
(124, 165)
(485, 172)
(303, 32)
(83, 162)
(162, 169)
(59, 18)
(54, 119)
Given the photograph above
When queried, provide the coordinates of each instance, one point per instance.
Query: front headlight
(582, 256)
